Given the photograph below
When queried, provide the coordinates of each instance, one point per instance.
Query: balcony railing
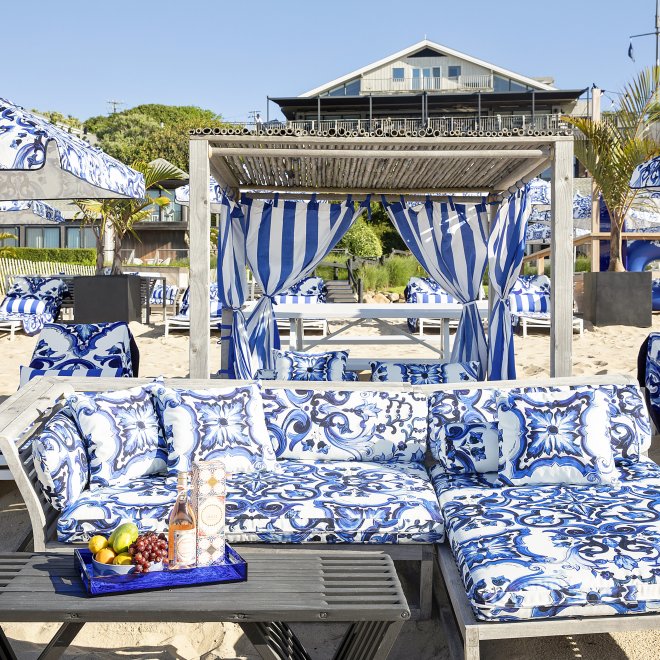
(538, 124)
(427, 83)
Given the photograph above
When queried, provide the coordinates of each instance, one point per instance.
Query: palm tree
(612, 148)
(122, 214)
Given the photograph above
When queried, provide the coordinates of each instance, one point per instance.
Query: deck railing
(420, 82)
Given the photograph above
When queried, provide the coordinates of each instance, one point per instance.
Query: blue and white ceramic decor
(556, 436)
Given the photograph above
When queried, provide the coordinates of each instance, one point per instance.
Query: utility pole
(114, 105)
(656, 33)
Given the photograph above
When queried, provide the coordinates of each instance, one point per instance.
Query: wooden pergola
(298, 166)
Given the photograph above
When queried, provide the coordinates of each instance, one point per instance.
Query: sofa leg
(471, 643)
(426, 584)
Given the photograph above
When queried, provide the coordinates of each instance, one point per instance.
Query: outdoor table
(283, 586)
(357, 313)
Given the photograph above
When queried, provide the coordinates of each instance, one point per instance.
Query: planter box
(618, 298)
(107, 298)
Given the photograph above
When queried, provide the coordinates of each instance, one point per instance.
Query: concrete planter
(107, 298)
(618, 298)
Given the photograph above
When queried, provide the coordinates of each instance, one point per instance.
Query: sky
(73, 56)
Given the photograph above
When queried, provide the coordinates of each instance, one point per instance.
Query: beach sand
(598, 351)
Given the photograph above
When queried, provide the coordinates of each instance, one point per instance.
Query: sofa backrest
(342, 423)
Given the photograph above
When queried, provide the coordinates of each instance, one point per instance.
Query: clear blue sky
(73, 56)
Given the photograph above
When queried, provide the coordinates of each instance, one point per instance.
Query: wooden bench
(285, 586)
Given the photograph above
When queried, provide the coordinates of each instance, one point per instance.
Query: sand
(598, 351)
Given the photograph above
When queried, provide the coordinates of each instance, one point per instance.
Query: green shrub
(82, 256)
(361, 240)
(389, 237)
(374, 277)
(401, 269)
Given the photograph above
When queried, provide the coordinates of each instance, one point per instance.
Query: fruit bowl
(105, 570)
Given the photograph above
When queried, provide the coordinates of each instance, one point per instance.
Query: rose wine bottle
(183, 530)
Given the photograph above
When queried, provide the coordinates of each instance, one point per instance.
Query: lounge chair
(171, 297)
(181, 321)
(30, 303)
(530, 304)
(310, 290)
(99, 349)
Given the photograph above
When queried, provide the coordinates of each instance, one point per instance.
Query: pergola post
(200, 250)
(561, 259)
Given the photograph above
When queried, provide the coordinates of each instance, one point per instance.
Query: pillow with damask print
(220, 423)
(122, 433)
(293, 365)
(555, 435)
(424, 373)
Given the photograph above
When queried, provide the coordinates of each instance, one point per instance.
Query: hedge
(83, 256)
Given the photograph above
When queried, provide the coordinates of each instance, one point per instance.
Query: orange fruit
(105, 556)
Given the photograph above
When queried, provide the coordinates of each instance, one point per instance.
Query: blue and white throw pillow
(555, 435)
(26, 305)
(346, 425)
(123, 436)
(221, 423)
(292, 365)
(463, 431)
(426, 373)
(60, 460)
(630, 425)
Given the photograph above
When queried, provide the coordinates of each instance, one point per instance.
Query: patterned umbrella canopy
(43, 210)
(647, 175)
(182, 195)
(39, 160)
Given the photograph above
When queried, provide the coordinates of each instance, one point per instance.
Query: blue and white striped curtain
(285, 242)
(449, 240)
(232, 285)
(506, 249)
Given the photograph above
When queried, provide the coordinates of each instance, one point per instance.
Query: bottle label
(185, 547)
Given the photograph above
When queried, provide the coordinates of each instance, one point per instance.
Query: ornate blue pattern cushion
(89, 346)
(122, 433)
(426, 373)
(630, 426)
(334, 425)
(223, 423)
(559, 435)
(463, 432)
(304, 502)
(534, 552)
(60, 460)
(50, 290)
(27, 373)
(292, 365)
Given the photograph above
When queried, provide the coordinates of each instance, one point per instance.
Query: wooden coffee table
(285, 586)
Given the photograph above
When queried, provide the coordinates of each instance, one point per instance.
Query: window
(9, 242)
(42, 237)
(353, 88)
(398, 74)
(80, 237)
(454, 71)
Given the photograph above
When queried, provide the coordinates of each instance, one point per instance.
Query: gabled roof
(421, 45)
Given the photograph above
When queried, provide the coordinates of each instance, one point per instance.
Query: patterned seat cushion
(33, 301)
(424, 373)
(527, 552)
(336, 425)
(89, 346)
(304, 502)
(296, 365)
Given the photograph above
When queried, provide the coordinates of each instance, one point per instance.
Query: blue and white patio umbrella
(647, 176)
(39, 208)
(182, 196)
(39, 160)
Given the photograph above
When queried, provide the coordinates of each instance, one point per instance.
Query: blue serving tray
(233, 570)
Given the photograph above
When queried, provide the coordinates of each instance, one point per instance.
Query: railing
(429, 83)
(457, 125)
(158, 257)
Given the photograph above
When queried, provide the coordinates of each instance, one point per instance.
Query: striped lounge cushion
(433, 298)
(530, 302)
(289, 299)
(26, 305)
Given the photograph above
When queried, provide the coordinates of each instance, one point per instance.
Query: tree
(7, 251)
(612, 148)
(151, 131)
(122, 214)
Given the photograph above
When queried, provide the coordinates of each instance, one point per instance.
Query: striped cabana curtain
(232, 285)
(285, 242)
(506, 249)
(449, 241)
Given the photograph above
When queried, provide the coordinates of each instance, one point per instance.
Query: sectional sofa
(536, 498)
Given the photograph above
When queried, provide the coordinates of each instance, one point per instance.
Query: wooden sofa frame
(23, 415)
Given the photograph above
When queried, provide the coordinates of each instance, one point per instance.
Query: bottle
(183, 530)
